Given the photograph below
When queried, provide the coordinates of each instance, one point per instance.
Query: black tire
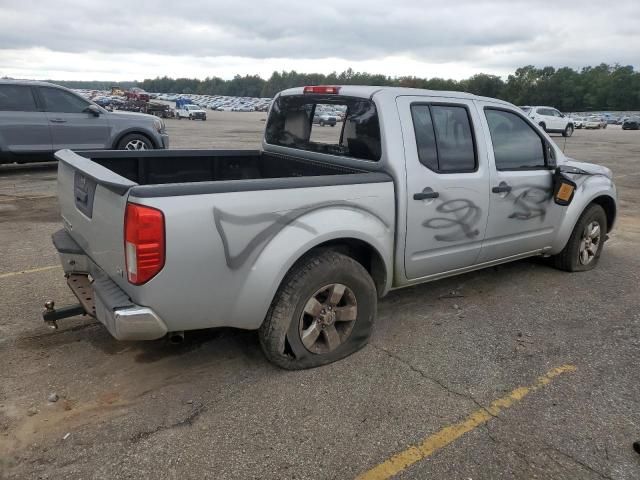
(568, 131)
(321, 123)
(568, 259)
(134, 139)
(543, 126)
(604, 126)
(280, 335)
(190, 117)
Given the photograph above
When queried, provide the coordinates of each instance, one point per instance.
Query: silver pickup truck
(300, 238)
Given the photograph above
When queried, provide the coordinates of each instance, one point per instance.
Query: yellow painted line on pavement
(33, 270)
(447, 435)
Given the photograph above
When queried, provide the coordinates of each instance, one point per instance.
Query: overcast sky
(127, 40)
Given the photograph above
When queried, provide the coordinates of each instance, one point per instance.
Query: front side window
(17, 98)
(60, 101)
(516, 146)
(294, 122)
(444, 138)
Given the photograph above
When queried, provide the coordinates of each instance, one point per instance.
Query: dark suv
(37, 119)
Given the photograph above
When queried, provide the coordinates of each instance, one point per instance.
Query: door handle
(425, 194)
(503, 187)
(58, 120)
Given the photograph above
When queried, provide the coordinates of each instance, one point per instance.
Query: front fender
(292, 242)
(590, 189)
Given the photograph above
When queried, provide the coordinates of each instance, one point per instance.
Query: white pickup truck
(299, 239)
(190, 111)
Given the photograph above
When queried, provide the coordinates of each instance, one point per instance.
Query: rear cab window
(17, 98)
(294, 122)
(444, 138)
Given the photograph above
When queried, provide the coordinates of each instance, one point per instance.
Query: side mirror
(94, 110)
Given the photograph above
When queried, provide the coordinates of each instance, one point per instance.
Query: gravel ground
(214, 408)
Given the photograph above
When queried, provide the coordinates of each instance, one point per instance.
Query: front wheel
(323, 311)
(135, 141)
(568, 131)
(582, 251)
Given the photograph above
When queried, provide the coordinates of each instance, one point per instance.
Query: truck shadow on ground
(219, 344)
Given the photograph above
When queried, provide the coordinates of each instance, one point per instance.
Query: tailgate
(92, 203)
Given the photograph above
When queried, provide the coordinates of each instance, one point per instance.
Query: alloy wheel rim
(328, 318)
(135, 145)
(589, 243)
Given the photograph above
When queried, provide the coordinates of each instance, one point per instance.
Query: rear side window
(17, 98)
(516, 146)
(61, 101)
(295, 121)
(444, 138)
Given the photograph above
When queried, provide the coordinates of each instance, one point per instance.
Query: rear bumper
(113, 308)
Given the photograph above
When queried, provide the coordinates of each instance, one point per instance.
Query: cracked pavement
(214, 408)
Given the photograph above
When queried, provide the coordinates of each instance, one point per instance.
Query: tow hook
(51, 315)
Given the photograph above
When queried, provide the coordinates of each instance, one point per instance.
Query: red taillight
(322, 89)
(143, 242)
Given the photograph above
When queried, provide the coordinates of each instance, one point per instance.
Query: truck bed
(188, 166)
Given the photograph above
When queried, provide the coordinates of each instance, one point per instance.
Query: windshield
(193, 107)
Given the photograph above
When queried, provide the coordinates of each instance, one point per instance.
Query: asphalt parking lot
(518, 371)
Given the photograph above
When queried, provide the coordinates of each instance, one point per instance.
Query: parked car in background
(190, 111)
(137, 94)
(595, 122)
(323, 119)
(578, 122)
(631, 123)
(550, 119)
(38, 118)
(300, 239)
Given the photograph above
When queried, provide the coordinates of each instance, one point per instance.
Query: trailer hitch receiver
(51, 315)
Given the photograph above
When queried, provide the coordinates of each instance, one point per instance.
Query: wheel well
(364, 254)
(135, 132)
(609, 207)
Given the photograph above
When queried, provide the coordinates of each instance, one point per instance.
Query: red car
(136, 93)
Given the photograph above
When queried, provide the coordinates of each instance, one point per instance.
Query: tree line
(603, 87)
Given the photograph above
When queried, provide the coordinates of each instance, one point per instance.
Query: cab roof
(369, 91)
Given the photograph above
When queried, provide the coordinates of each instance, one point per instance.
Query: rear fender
(267, 270)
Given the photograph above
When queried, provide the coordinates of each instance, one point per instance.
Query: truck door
(447, 184)
(71, 125)
(523, 216)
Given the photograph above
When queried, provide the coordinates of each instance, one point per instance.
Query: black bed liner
(160, 173)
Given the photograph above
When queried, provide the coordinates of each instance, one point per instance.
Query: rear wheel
(568, 131)
(323, 311)
(582, 251)
(135, 141)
